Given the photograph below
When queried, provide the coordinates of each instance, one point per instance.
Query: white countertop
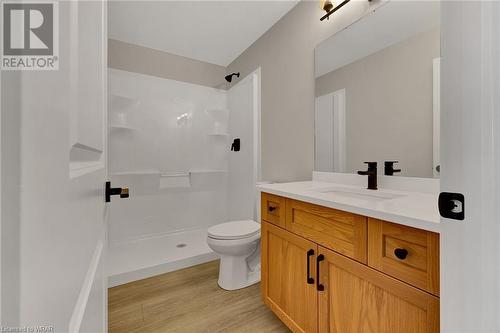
(414, 209)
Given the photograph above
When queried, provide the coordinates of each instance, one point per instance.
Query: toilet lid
(234, 230)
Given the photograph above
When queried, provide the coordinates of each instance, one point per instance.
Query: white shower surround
(210, 185)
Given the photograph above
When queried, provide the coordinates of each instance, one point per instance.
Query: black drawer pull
(271, 209)
(319, 286)
(401, 253)
(310, 253)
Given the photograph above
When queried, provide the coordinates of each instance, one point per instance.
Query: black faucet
(389, 168)
(372, 175)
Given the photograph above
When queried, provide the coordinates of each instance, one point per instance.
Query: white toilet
(238, 245)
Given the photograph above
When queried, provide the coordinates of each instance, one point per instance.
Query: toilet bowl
(238, 245)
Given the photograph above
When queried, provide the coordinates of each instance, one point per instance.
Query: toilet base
(234, 273)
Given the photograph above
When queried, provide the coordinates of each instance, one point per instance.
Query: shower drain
(181, 245)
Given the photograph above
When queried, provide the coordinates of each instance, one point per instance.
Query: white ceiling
(391, 23)
(212, 31)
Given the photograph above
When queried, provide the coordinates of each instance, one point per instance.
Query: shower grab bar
(174, 175)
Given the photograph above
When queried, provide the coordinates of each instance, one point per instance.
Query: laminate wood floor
(188, 301)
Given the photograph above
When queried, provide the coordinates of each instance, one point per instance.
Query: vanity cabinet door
(286, 289)
(357, 298)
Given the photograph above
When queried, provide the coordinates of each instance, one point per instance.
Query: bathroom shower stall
(170, 144)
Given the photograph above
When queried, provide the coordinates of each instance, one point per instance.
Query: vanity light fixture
(328, 6)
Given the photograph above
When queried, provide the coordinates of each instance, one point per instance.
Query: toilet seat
(234, 230)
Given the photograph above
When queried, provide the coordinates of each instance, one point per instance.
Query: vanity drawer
(408, 254)
(273, 209)
(342, 232)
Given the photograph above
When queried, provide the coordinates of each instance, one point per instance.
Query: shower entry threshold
(140, 259)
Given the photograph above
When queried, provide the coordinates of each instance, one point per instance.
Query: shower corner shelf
(218, 111)
(121, 127)
(135, 173)
(209, 171)
(121, 103)
(218, 134)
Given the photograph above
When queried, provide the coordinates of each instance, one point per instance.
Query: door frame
(436, 115)
(96, 275)
(257, 140)
(256, 76)
(1, 196)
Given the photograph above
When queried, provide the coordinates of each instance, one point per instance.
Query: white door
(53, 174)
(330, 132)
(470, 164)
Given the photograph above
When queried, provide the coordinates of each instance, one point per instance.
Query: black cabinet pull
(401, 253)
(271, 208)
(319, 259)
(310, 253)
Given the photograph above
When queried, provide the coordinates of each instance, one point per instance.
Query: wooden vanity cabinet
(326, 289)
(357, 298)
(285, 286)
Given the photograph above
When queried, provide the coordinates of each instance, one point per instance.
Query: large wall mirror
(377, 92)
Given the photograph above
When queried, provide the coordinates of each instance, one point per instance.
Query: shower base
(140, 259)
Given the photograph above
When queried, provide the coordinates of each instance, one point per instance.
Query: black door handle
(452, 205)
(310, 253)
(123, 192)
(319, 259)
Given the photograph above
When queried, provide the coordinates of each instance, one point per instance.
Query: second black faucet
(389, 168)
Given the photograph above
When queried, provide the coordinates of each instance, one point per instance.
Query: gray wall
(389, 104)
(139, 59)
(285, 54)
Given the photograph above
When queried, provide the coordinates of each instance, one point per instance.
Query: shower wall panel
(161, 145)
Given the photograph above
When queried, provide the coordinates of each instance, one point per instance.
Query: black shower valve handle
(236, 145)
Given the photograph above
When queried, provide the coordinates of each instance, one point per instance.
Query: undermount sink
(358, 193)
